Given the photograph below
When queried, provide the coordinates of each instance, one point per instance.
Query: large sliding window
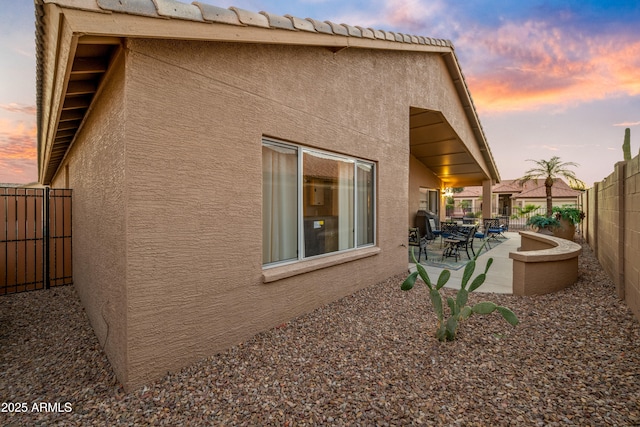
(314, 202)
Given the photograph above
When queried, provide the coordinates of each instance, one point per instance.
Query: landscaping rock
(367, 359)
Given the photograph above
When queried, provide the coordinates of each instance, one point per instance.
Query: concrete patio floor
(500, 275)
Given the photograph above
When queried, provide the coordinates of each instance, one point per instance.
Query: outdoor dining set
(456, 237)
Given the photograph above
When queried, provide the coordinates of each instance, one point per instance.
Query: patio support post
(620, 226)
(487, 199)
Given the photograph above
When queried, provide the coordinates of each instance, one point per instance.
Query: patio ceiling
(434, 142)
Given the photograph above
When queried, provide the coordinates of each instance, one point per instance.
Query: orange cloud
(530, 66)
(17, 152)
(19, 108)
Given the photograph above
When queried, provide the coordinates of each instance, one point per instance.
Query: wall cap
(559, 249)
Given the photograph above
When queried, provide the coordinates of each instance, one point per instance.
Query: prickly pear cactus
(458, 310)
(626, 145)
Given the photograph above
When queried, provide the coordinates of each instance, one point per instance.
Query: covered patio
(500, 276)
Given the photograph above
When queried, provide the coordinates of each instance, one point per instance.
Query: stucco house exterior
(232, 169)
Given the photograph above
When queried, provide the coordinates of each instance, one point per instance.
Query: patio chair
(421, 240)
(416, 241)
(459, 238)
(428, 235)
(472, 236)
(482, 235)
(434, 227)
(447, 229)
(504, 225)
(465, 239)
(492, 228)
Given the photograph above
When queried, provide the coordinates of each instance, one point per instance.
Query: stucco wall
(96, 172)
(419, 176)
(613, 212)
(187, 210)
(544, 264)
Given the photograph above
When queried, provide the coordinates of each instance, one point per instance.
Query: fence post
(594, 218)
(620, 199)
(45, 238)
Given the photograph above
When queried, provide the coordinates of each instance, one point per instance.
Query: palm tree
(550, 170)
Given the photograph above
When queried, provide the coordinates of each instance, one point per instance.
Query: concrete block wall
(631, 272)
(613, 228)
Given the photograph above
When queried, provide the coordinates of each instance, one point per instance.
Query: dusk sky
(548, 78)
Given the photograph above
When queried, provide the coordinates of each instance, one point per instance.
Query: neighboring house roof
(513, 186)
(529, 190)
(469, 193)
(81, 45)
(559, 190)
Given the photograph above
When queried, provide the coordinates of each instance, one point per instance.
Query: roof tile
(218, 14)
(378, 33)
(388, 35)
(301, 24)
(367, 33)
(133, 7)
(352, 31)
(277, 21)
(320, 26)
(338, 29)
(251, 18)
(176, 9)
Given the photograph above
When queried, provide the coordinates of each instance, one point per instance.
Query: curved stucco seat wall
(544, 264)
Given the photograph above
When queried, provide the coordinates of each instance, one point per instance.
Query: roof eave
(467, 102)
(198, 22)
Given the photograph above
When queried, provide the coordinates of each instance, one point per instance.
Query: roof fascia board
(137, 26)
(75, 4)
(465, 96)
(60, 49)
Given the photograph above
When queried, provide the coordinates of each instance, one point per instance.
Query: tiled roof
(332, 35)
(469, 192)
(559, 189)
(507, 186)
(202, 12)
(528, 190)
(515, 186)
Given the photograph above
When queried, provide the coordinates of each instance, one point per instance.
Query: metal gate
(35, 239)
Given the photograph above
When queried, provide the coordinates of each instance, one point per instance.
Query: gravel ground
(368, 359)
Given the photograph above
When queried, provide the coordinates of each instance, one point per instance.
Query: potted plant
(543, 224)
(568, 217)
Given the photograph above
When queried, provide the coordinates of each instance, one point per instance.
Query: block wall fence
(612, 228)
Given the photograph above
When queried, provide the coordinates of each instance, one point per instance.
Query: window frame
(300, 151)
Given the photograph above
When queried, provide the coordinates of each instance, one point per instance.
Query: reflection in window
(327, 203)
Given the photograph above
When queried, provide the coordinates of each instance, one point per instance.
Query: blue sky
(548, 78)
